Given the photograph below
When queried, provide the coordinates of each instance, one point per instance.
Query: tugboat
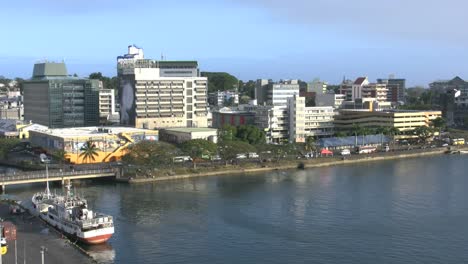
(70, 215)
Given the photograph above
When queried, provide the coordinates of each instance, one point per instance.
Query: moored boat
(70, 214)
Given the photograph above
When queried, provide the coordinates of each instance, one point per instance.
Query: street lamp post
(43, 250)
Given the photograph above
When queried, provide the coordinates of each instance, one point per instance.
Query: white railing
(42, 175)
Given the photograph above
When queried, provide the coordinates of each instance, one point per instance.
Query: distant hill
(220, 81)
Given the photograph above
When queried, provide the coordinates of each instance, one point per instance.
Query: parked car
(181, 159)
(252, 155)
(216, 157)
(43, 157)
(241, 156)
(345, 152)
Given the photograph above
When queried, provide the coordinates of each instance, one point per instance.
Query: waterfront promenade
(287, 165)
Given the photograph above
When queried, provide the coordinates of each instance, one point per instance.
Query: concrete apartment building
(56, 100)
(274, 120)
(396, 89)
(361, 88)
(405, 120)
(294, 122)
(268, 92)
(309, 121)
(161, 94)
(107, 109)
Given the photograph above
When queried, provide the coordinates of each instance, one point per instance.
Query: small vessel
(463, 151)
(70, 214)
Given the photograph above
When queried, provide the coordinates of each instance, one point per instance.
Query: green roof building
(52, 98)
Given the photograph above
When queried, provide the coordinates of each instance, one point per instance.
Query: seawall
(307, 165)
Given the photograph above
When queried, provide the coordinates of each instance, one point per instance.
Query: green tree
(227, 132)
(310, 144)
(6, 145)
(423, 133)
(251, 134)
(198, 148)
(244, 99)
(220, 81)
(151, 154)
(340, 134)
(61, 156)
(89, 151)
(439, 123)
(228, 150)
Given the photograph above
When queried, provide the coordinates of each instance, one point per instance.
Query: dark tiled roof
(360, 80)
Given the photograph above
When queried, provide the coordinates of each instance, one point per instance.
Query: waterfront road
(32, 234)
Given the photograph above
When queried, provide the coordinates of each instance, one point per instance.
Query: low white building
(180, 135)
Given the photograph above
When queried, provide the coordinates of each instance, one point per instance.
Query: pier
(41, 176)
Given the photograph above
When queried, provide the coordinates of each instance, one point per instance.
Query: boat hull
(95, 240)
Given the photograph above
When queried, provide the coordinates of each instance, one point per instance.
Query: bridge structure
(41, 176)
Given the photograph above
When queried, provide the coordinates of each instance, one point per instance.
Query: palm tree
(89, 151)
(356, 130)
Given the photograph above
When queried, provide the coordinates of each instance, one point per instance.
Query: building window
(189, 84)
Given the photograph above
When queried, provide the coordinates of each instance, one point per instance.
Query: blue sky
(418, 40)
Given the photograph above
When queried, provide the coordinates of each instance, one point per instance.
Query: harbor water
(399, 211)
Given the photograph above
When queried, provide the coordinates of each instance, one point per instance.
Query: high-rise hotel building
(161, 94)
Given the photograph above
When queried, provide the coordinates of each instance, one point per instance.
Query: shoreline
(308, 164)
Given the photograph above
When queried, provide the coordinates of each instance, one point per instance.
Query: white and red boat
(70, 215)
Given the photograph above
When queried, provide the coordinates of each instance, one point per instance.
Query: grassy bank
(184, 173)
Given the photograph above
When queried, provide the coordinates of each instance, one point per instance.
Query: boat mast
(47, 178)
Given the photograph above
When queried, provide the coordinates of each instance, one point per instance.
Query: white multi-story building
(294, 122)
(269, 93)
(161, 94)
(308, 121)
(107, 111)
(219, 98)
(363, 89)
(274, 120)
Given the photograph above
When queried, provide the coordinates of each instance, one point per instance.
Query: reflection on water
(402, 211)
(103, 253)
